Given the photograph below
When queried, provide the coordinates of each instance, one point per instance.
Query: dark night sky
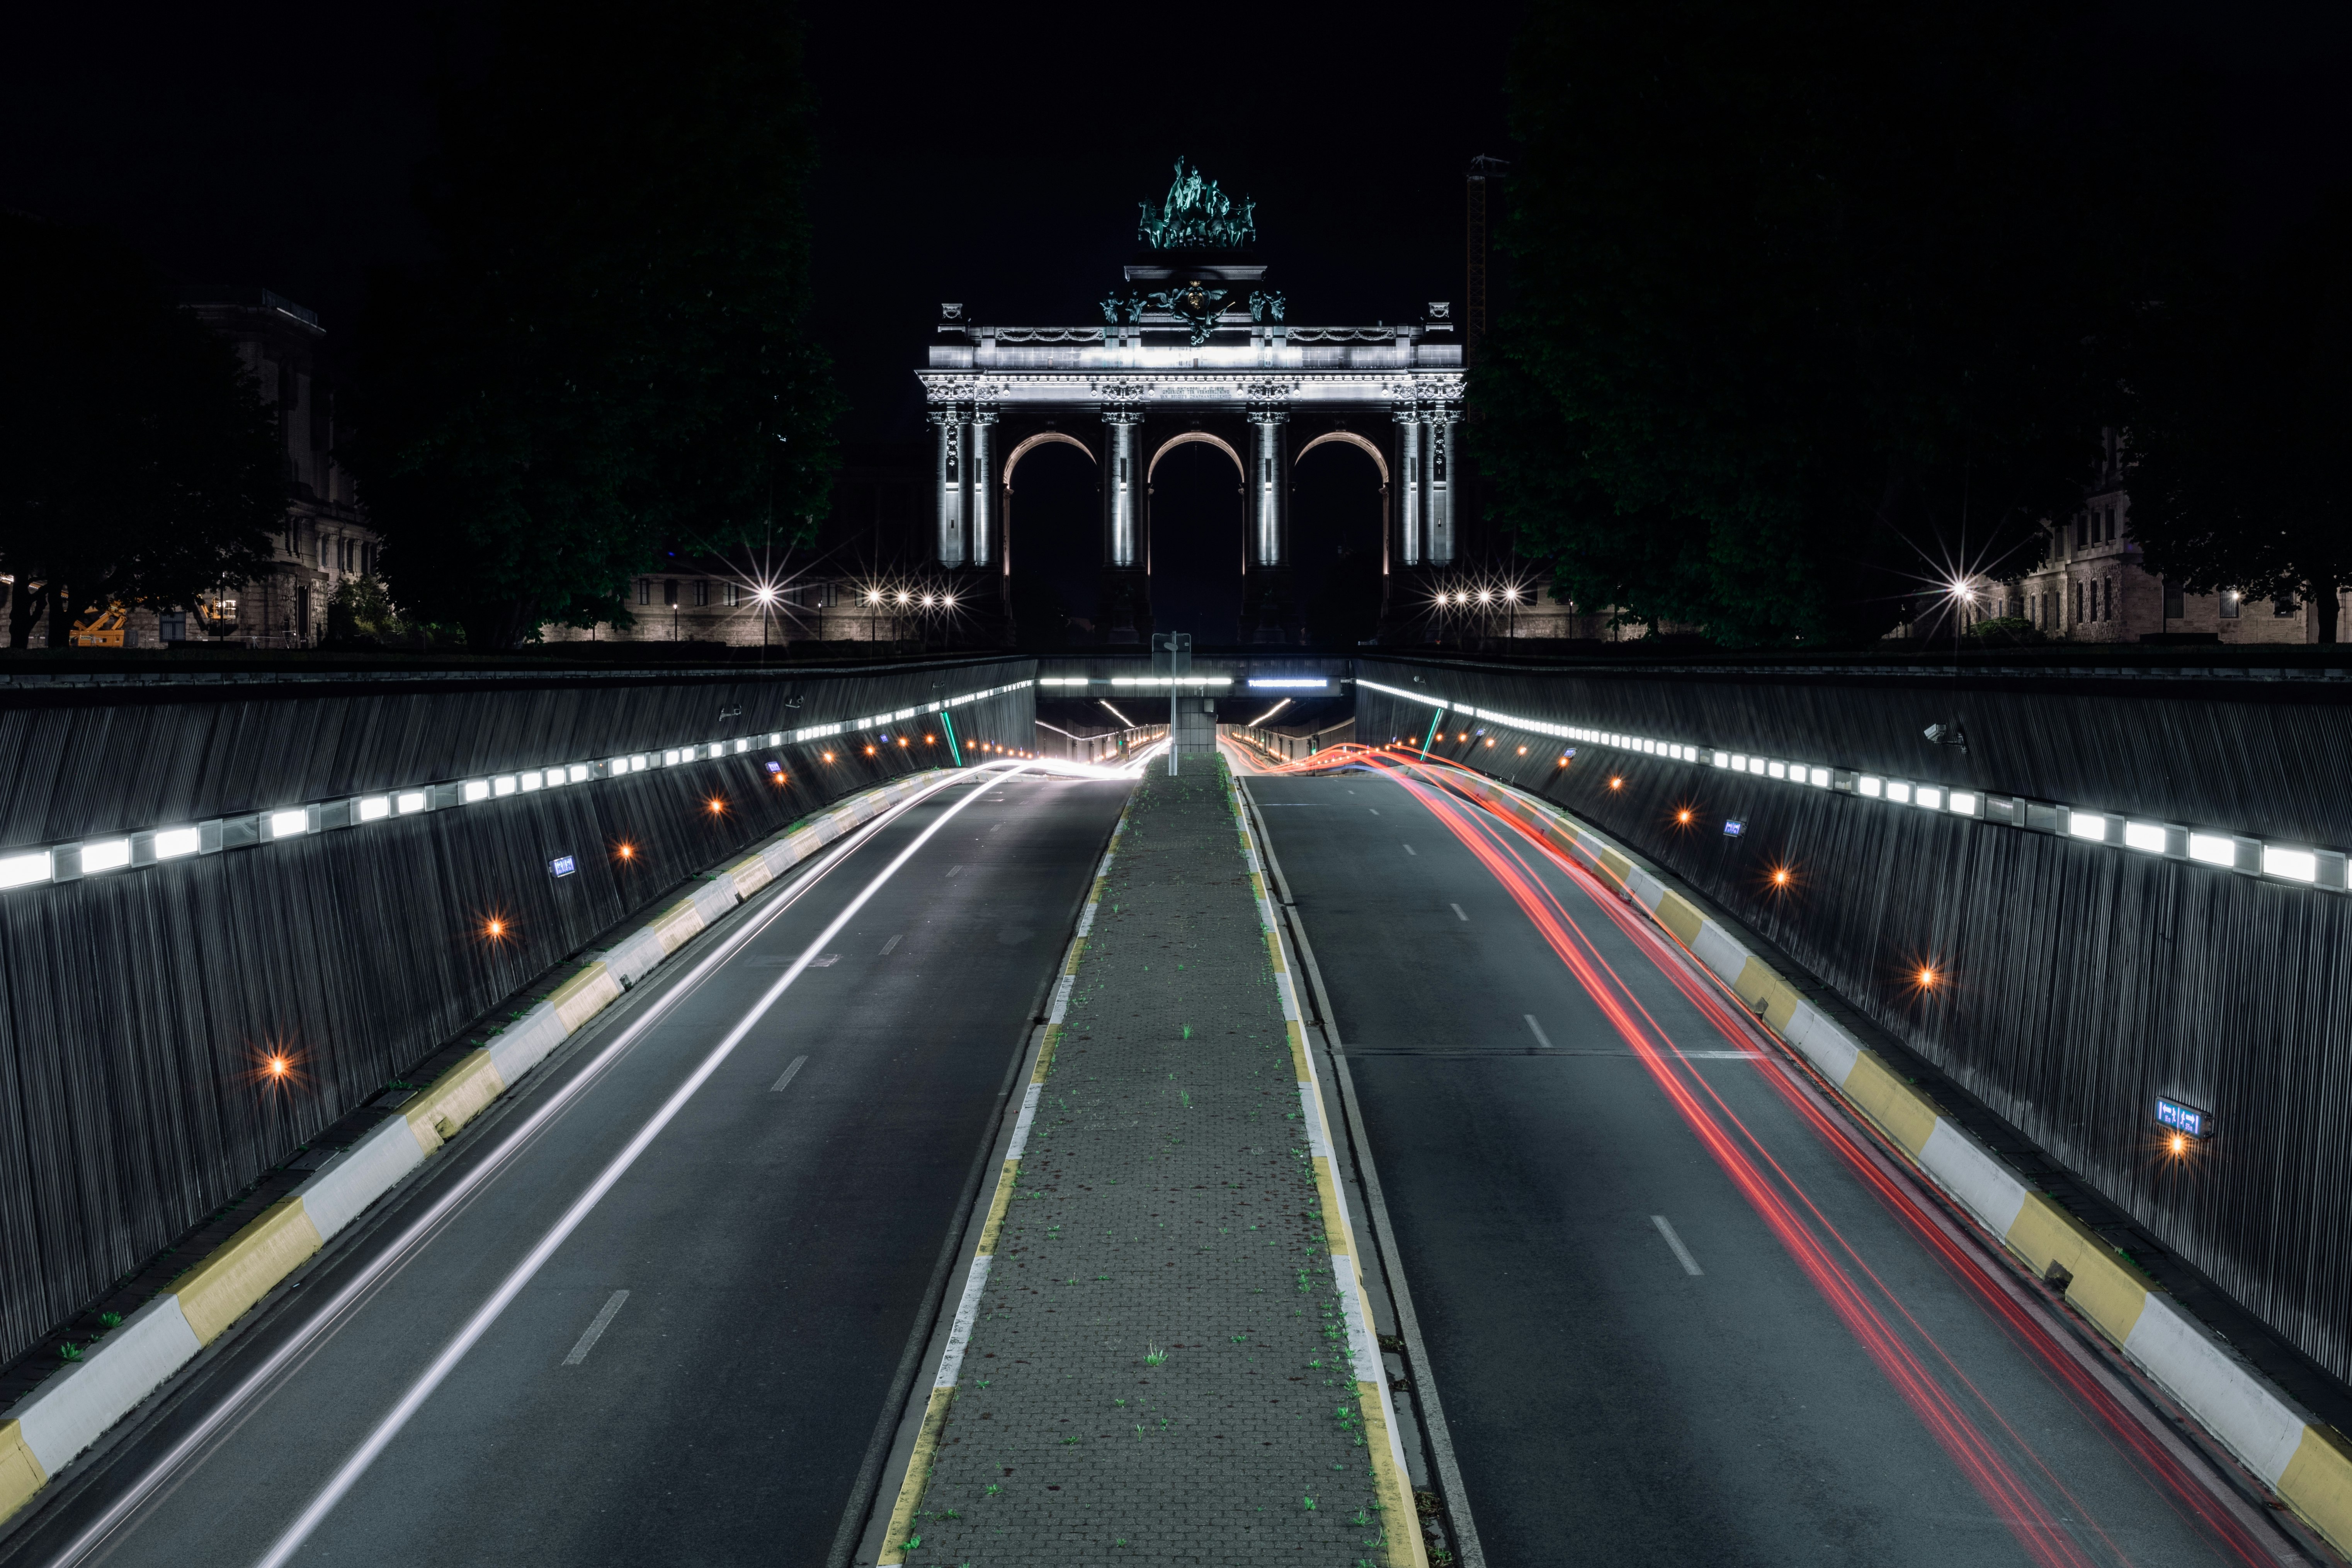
(989, 154)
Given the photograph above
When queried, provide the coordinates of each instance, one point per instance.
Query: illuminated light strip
(2329, 870)
(290, 1540)
(70, 862)
(2279, 1441)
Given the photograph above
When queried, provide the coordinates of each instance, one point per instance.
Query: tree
(2237, 400)
(137, 461)
(1800, 306)
(608, 353)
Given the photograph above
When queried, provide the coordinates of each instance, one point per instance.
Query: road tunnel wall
(137, 1007)
(2078, 980)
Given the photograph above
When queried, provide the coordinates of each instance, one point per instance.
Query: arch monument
(1193, 346)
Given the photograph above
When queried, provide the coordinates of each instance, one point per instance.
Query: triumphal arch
(1193, 346)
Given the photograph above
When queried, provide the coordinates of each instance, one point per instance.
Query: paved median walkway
(1164, 1367)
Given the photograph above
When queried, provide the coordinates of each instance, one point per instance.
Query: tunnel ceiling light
(2144, 836)
(2213, 848)
(105, 855)
(410, 800)
(172, 843)
(289, 824)
(2087, 824)
(373, 808)
(2295, 865)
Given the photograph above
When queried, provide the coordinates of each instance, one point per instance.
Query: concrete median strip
(1163, 1293)
(68, 1412)
(2307, 1463)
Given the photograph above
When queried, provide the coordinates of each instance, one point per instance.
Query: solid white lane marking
(893, 942)
(778, 1087)
(1411, 851)
(1690, 1264)
(1457, 912)
(1541, 1039)
(290, 1541)
(597, 1330)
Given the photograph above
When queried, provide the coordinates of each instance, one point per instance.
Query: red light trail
(1880, 1321)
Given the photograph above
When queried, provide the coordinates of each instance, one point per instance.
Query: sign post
(1171, 656)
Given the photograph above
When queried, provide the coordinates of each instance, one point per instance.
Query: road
(1676, 1314)
(775, 1242)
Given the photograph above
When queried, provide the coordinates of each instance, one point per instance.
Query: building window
(645, 590)
(2283, 608)
(2176, 603)
(701, 593)
(2229, 603)
(669, 591)
(733, 593)
(2078, 603)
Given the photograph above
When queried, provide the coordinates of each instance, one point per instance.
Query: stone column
(1269, 486)
(1122, 485)
(1445, 430)
(1409, 483)
(948, 485)
(1123, 613)
(983, 484)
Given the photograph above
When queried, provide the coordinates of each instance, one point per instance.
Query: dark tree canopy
(2237, 398)
(137, 461)
(609, 353)
(1802, 310)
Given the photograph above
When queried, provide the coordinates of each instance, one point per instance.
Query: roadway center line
(282, 1549)
(798, 1062)
(1458, 914)
(604, 1321)
(1690, 1264)
(1541, 1039)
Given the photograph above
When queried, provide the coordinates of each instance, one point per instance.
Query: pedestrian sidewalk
(1164, 1355)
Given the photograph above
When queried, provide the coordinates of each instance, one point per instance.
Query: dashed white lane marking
(778, 1087)
(1411, 851)
(1458, 913)
(597, 1330)
(824, 960)
(953, 869)
(893, 942)
(1541, 1039)
(1373, 809)
(1690, 1264)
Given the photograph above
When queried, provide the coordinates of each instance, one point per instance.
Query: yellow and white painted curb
(68, 1412)
(1000, 1203)
(2306, 1461)
(1382, 1440)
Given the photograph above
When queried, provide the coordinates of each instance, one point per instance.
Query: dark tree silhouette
(137, 461)
(609, 353)
(1803, 300)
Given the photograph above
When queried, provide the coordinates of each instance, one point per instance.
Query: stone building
(325, 539)
(2094, 588)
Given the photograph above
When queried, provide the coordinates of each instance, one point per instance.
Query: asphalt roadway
(775, 1242)
(1637, 1363)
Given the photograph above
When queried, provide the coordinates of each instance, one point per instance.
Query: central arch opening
(1338, 501)
(1198, 539)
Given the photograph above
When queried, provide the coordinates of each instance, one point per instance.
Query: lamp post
(1172, 655)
